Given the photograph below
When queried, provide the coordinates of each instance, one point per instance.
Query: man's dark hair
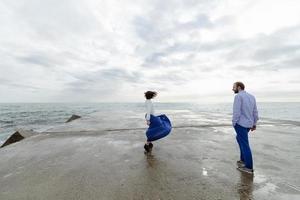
(240, 84)
(150, 94)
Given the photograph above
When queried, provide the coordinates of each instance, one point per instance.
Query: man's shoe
(240, 163)
(246, 170)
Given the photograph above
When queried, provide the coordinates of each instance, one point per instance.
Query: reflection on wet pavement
(245, 186)
(204, 172)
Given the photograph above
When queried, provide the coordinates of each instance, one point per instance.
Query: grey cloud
(191, 48)
(153, 59)
(149, 29)
(101, 85)
(103, 79)
(54, 18)
(267, 48)
(187, 63)
(146, 29)
(253, 68)
(204, 46)
(10, 83)
(160, 22)
(113, 74)
(156, 27)
(293, 63)
(58, 59)
(202, 21)
(295, 81)
(277, 94)
(275, 52)
(123, 75)
(38, 59)
(174, 78)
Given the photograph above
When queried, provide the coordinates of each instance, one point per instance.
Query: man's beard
(236, 91)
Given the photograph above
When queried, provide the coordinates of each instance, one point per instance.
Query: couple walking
(244, 119)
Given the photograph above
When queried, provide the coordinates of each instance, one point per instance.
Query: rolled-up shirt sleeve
(237, 104)
(255, 114)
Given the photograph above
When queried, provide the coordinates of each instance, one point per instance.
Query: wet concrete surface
(191, 163)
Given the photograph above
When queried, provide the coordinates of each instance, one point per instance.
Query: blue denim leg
(241, 151)
(242, 138)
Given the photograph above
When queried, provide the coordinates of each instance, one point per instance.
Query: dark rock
(18, 136)
(73, 117)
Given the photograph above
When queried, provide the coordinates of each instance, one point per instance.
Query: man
(244, 119)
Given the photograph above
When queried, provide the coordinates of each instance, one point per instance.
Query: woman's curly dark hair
(150, 94)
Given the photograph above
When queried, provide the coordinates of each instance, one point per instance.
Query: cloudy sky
(114, 50)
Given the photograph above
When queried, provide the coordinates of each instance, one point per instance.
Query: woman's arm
(148, 110)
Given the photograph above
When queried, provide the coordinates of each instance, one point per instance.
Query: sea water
(44, 116)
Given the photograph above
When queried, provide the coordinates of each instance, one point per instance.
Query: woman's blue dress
(160, 126)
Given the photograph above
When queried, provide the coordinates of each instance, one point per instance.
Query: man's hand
(253, 128)
(148, 122)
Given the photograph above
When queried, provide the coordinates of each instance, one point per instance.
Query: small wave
(280, 121)
(6, 121)
(7, 126)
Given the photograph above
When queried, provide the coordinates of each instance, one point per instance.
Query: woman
(159, 126)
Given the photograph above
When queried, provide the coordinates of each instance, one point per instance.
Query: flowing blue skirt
(160, 126)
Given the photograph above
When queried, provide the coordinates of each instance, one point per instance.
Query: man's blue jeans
(242, 139)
